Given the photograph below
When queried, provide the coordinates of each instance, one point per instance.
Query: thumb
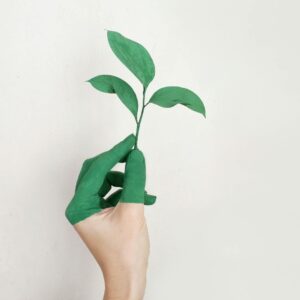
(135, 178)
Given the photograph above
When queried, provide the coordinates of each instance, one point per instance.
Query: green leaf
(114, 85)
(133, 55)
(172, 95)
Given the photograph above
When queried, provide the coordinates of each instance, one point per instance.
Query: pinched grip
(96, 179)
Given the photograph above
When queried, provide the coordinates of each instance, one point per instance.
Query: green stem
(138, 125)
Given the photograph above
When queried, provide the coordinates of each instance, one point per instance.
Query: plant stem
(138, 124)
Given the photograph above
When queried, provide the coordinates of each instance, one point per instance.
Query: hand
(114, 228)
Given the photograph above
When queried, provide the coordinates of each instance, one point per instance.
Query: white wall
(226, 223)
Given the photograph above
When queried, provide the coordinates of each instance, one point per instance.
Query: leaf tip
(111, 32)
(108, 31)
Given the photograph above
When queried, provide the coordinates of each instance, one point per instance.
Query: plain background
(227, 219)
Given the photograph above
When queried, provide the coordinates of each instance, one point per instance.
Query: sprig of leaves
(138, 60)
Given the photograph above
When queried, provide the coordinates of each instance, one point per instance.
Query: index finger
(105, 162)
(119, 151)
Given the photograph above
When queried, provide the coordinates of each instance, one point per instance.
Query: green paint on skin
(96, 179)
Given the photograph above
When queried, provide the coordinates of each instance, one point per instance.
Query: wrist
(128, 294)
(125, 289)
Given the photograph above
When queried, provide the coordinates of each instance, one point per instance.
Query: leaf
(133, 55)
(172, 95)
(114, 85)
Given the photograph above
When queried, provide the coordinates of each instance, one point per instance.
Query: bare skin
(118, 239)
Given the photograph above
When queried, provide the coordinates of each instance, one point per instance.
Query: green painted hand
(96, 179)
